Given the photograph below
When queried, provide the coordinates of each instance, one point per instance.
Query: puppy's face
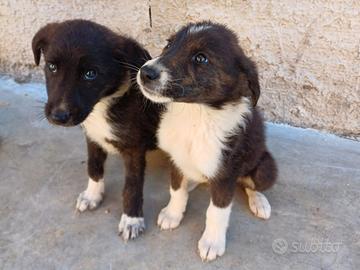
(82, 65)
(202, 63)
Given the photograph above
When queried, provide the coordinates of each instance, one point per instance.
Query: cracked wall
(308, 53)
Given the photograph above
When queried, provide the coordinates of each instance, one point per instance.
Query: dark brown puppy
(90, 74)
(210, 89)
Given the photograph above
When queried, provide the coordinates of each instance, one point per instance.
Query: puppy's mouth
(153, 90)
(70, 123)
(65, 119)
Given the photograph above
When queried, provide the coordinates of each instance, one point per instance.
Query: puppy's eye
(200, 58)
(90, 74)
(52, 67)
(168, 45)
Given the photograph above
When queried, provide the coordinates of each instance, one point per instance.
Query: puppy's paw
(169, 219)
(131, 227)
(258, 204)
(88, 201)
(91, 197)
(211, 245)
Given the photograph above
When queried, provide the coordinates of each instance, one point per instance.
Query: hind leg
(261, 178)
(258, 203)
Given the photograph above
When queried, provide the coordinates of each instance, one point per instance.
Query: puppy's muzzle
(149, 74)
(60, 116)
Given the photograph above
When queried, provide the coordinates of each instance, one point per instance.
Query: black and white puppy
(89, 73)
(210, 128)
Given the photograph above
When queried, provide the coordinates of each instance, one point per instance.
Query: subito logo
(280, 246)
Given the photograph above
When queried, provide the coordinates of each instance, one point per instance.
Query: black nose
(148, 73)
(60, 116)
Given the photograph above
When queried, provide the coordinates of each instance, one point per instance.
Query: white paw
(211, 245)
(258, 204)
(91, 197)
(131, 227)
(169, 219)
(87, 201)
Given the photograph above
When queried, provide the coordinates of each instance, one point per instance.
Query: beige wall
(308, 52)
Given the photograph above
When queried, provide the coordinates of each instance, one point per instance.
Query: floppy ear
(253, 80)
(250, 70)
(42, 39)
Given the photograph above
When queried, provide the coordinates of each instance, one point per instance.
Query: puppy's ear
(42, 39)
(249, 69)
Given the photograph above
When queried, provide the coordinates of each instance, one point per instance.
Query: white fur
(131, 227)
(155, 98)
(194, 135)
(151, 61)
(92, 196)
(171, 216)
(151, 95)
(198, 28)
(164, 74)
(96, 125)
(258, 204)
(213, 240)
(163, 81)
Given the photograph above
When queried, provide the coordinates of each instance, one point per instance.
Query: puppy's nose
(60, 116)
(148, 73)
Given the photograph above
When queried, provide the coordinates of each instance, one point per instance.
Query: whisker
(146, 103)
(129, 65)
(133, 84)
(132, 68)
(146, 57)
(40, 117)
(133, 79)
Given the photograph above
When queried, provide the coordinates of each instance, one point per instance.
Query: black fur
(226, 77)
(75, 47)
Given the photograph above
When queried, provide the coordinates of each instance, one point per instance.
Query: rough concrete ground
(315, 203)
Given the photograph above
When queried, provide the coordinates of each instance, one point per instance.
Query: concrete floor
(315, 222)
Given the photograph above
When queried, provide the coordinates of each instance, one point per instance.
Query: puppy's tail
(263, 176)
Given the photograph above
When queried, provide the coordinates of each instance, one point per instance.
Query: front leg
(94, 193)
(213, 240)
(132, 220)
(171, 215)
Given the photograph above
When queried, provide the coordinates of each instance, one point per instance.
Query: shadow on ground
(314, 225)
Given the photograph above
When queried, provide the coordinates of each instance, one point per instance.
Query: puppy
(89, 73)
(210, 128)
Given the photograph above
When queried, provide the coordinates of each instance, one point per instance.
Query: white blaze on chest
(96, 125)
(194, 135)
(98, 129)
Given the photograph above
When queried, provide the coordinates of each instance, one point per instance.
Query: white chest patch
(194, 135)
(96, 125)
